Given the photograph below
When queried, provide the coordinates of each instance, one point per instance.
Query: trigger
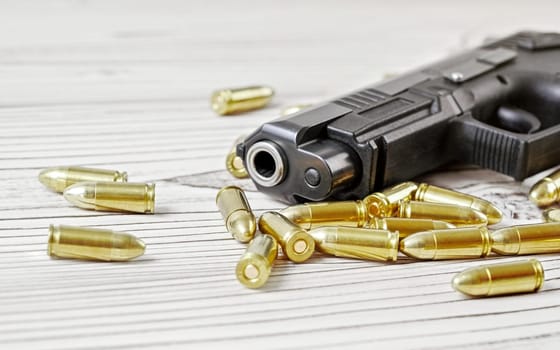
(517, 120)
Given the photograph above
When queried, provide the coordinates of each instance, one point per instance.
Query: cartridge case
(551, 215)
(434, 194)
(358, 243)
(293, 109)
(112, 196)
(546, 191)
(343, 213)
(296, 243)
(455, 214)
(238, 100)
(238, 216)
(383, 204)
(500, 279)
(527, 239)
(253, 269)
(405, 227)
(234, 164)
(92, 244)
(455, 243)
(59, 178)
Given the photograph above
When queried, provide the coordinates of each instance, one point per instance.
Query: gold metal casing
(551, 215)
(343, 213)
(234, 164)
(293, 109)
(406, 227)
(238, 216)
(238, 100)
(546, 191)
(296, 243)
(253, 269)
(455, 243)
(527, 239)
(358, 243)
(500, 279)
(92, 244)
(434, 194)
(112, 196)
(59, 178)
(383, 204)
(454, 214)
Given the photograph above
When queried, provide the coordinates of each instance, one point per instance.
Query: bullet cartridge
(296, 243)
(238, 216)
(552, 215)
(406, 227)
(455, 214)
(112, 196)
(500, 279)
(383, 204)
(546, 191)
(58, 178)
(527, 239)
(234, 164)
(293, 109)
(238, 100)
(253, 269)
(343, 213)
(434, 194)
(358, 243)
(455, 243)
(92, 244)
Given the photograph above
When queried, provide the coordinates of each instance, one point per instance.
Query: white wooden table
(126, 85)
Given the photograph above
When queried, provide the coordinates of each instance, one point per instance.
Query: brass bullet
(454, 214)
(383, 204)
(343, 213)
(358, 243)
(112, 196)
(92, 244)
(238, 216)
(434, 194)
(238, 100)
(546, 191)
(500, 279)
(527, 239)
(455, 243)
(58, 178)
(293, 109)
(253, 269)
(296, 243)
(234, 164)
(552, 215)
(406, 227)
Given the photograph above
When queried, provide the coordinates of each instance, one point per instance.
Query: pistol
(496, 106)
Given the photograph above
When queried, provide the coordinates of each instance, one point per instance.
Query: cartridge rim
(539, 271)
(150, 198)
(303, 253)
(259, 263)
(219, 101)
(238, 172)
(121, 176)
(552, 215)
(52, 239)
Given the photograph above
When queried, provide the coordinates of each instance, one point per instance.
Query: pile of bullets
(422, 221)
(97, 189)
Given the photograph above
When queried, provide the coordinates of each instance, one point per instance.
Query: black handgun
(497, 106)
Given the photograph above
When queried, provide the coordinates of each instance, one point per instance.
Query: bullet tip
(78, 195)
(53, 178)
(415, 246)
(543, 193)
(242, 226)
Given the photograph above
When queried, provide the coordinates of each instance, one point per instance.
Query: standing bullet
(234, 207)
(238, 100)
(358, 243)
(234, 164)
(253, 269)
(434, 194)
(551, 215)
(455, 243)
(112, 196)
(406, 227)
(92, 244)
(58, 178)
(500, 279)
(527, 239)
(383, 204)
(296, 243)
(546, 191)
(454, 214)
(343, 213)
